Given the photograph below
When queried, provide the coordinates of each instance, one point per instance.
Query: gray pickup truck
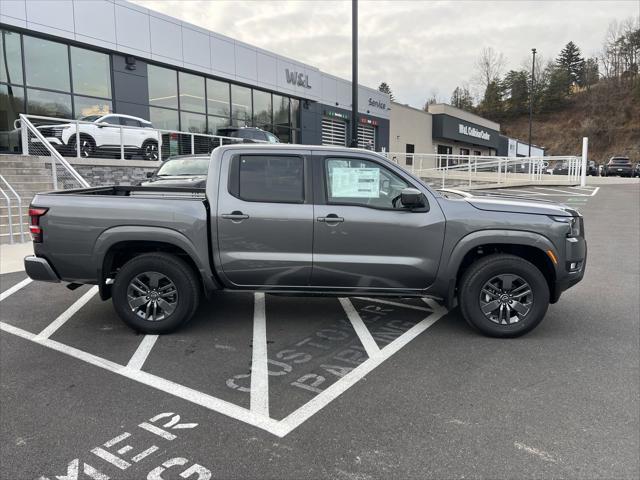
(307, 220)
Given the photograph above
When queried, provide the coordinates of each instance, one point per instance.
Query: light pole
(354, 73)
(533, 81)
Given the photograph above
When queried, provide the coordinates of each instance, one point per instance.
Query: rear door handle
(331, 218)
(235, 215)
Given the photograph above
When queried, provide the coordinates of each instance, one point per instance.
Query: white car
(104, 134)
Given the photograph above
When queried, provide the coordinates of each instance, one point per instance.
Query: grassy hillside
(609, 114)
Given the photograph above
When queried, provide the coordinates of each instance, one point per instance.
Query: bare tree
(489, 66)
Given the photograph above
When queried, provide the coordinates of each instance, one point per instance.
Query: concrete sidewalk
(11, 256)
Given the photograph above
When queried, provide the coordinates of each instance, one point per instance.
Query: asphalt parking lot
(289, 387)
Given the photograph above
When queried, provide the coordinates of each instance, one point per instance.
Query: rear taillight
(34, 224)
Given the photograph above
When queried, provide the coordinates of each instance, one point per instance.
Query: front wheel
(150, 150)
(503, 296)
(156, 293)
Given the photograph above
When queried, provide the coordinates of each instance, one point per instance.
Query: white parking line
(256, 415)
(564, 192)
(142, 352)
(369, 344)
(68, 313)
(259, 403)
(312, 407)
(159, 383)
(15, 288)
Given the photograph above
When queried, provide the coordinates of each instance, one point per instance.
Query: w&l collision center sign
(455, 129)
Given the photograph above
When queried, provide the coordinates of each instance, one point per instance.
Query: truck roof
(288, 146)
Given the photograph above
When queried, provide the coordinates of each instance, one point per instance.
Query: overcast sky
(418, 47)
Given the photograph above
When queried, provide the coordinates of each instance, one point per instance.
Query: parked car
(559, 169)
(248, 134)
(183, 171)
(592, 168)
(636, 170)
(102, 136)
(308, 219)
(620, 166)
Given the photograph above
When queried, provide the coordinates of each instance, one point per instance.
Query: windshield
(184, 166)
(90, 118)
(620, 160)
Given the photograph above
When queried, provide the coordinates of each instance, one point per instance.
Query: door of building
(334, 132)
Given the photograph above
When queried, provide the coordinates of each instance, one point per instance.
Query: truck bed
(81, 225)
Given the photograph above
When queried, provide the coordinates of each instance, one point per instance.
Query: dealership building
(447, 130)
(73, 58)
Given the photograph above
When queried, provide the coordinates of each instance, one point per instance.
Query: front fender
(447, 282)
(115, 235)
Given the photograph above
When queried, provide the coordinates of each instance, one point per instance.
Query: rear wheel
(156, 293)
(503, 295)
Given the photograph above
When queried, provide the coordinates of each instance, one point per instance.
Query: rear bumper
(39, 269)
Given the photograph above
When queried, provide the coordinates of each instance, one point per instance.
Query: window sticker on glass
(355, 182)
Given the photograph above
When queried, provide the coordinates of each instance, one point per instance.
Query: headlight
(572, 222)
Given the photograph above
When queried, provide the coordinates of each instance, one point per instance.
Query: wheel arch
(528, 245)
(118, 245)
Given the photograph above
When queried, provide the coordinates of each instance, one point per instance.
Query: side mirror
(149, 174)
(412, 198)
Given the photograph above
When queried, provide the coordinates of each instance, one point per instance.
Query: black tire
(150, 150)
(488, 268)
(87, 146)
(178, 273)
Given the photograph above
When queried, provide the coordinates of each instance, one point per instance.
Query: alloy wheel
(506, 299)
(152, 296)
(151, 151)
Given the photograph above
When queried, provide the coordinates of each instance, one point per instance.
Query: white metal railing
(59, 165)
(471, 170)
(10, 210)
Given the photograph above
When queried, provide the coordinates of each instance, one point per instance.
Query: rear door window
(267, 178)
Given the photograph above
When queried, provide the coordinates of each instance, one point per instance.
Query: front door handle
(235, 216)
(331, 218)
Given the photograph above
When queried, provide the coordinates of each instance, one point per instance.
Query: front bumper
(39, 269)
(575, 253)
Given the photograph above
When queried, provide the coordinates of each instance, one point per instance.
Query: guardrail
(471, 170)
(10, 210)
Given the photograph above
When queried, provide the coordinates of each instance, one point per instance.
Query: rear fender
(115, 235)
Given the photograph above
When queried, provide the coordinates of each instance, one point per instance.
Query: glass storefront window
(193, 122)
(163, 87)
(48, 104)
(262, 108)
(215, 123)
(280, 110)
(91, 73)
(295, 113)
(164, 118)
(84, 106)
(218, 98)
(11, 104)
(191, 92)
(241, 103)
(10, 58)
(46, 64)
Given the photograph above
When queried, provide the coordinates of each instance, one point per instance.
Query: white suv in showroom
(103, 135)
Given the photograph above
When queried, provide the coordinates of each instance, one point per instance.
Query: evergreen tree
(515, 90)
(590, 74)
(554, 95)
(571, 61)
(385, 88)
(461, 98)
(491, 104)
